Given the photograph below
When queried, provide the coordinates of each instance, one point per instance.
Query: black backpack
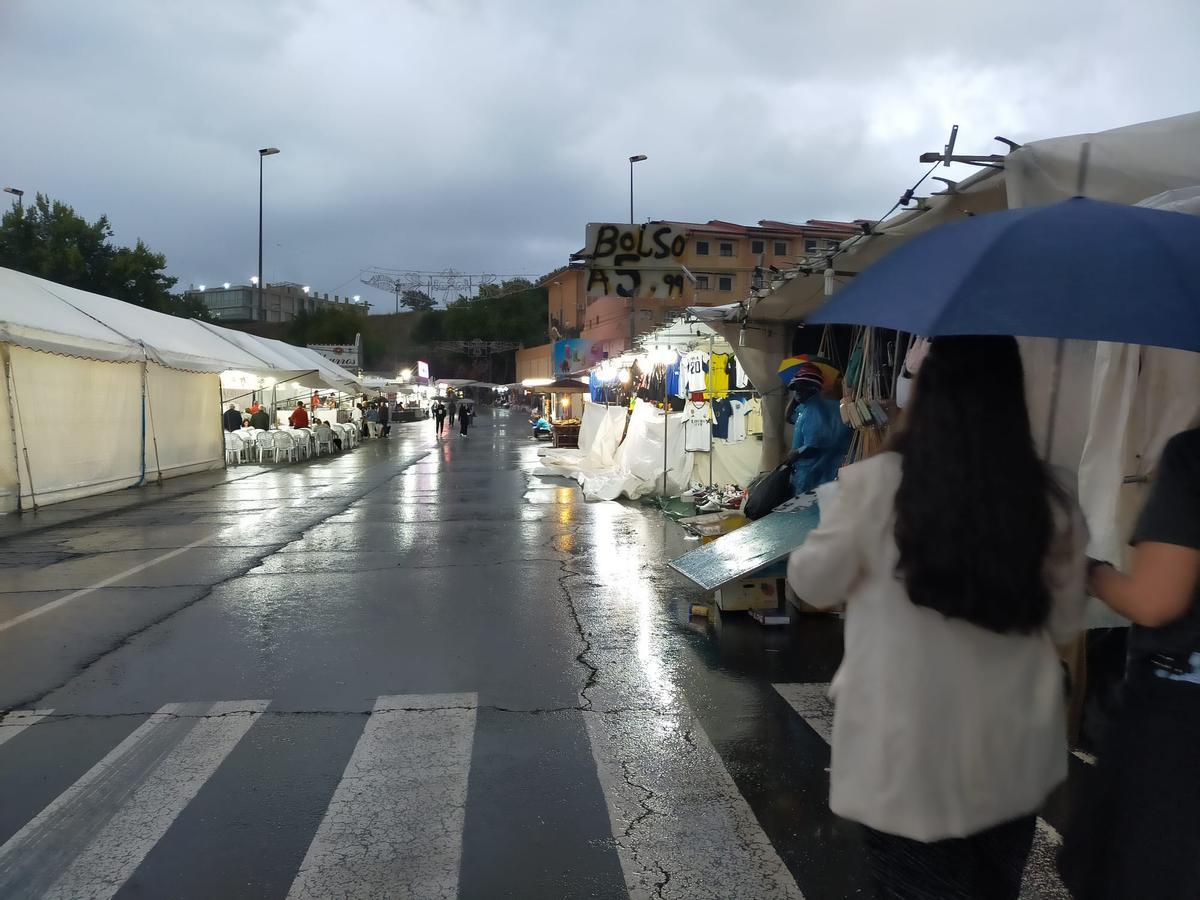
(768, 490)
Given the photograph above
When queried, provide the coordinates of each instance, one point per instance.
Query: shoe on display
(694, 491)
(709, 506)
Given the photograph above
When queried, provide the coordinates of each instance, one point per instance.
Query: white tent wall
(1118, 404)
(183, 430)
(9, 484)
(78, 427)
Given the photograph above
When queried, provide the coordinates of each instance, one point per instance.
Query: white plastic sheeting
(634, 468)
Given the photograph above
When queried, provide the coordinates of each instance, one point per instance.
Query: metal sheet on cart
(748, 549)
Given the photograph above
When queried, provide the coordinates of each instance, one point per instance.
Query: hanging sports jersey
(718, 375)
(737, 421)
(722, 413)
(754, 422)
(693, 370)
(697, 428)
(737, 375)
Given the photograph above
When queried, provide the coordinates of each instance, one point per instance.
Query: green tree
(52, 241)
(336, 325)
(417, 301)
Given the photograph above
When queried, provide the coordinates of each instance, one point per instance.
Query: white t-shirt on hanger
(693, 370)
(697, 428)
(737, 422)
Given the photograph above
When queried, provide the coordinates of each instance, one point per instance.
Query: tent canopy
(41, 315)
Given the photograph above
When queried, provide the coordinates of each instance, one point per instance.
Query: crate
(750, 593)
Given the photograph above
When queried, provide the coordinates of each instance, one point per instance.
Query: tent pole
(16, 402)
(12, 417)
(711, 446)
(153, 432)
(666, 410)
(220, 423)
(142, 449)
(1056, 384)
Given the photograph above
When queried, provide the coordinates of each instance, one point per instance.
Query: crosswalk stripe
(18, 720)
(89, 840)
(682, 827)
(1041, 879)
(394, 826)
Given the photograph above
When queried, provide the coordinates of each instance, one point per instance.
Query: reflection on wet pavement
(612, 745)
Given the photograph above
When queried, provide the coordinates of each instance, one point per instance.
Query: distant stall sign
(344, 355)
(423, 371)
(635, 260)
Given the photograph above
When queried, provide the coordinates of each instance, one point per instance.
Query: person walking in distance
(464, 419)
(439, 417)
(453, 405)
(385, 417)
(960, 562)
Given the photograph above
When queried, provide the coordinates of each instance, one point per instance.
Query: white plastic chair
(235, 449)
(324, 438)
(303, 441)
(282, 443)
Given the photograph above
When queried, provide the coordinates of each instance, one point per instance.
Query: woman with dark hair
(960, 562)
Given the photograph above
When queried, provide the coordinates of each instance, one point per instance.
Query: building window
(726, 249)
(758, 247)
(810, 245)
(725, 283)
(781, 248)
(702, 282)
(702, 248)
(831, 245)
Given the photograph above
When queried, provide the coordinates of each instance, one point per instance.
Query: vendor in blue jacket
(819, 437)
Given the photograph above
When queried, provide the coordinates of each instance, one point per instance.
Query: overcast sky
(482, 136)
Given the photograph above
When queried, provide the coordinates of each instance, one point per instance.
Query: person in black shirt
(1137, 830)
(231, 420)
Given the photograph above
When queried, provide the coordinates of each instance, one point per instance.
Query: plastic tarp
(728, 463)
(634, 469)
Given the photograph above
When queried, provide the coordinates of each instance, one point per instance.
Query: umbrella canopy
(1080, 269)
(790, 366)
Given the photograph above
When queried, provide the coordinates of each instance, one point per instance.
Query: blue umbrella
(1080, 268)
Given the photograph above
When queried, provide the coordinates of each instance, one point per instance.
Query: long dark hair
(973, 513)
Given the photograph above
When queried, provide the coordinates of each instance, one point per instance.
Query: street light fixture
(633, 299)
(201, 287)
(16, 192)
(641, 157)
(264, 152)
(226, 285)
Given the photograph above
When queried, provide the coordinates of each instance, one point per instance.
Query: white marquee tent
(101, 394)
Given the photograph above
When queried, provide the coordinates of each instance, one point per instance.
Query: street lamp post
(265, 151)
(633, 159)
(16, 192)
(632, 299)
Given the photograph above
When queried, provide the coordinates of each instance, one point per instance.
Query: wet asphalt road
(412, 670)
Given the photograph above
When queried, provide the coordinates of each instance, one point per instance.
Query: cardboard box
(750, 593)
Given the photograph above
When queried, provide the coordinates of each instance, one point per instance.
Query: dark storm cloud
(482, 136)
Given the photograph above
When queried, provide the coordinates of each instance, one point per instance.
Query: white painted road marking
(112, 579)
(89, 841)
(682, 827)
(1041, 881)
(394, 826)
(18, 720)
